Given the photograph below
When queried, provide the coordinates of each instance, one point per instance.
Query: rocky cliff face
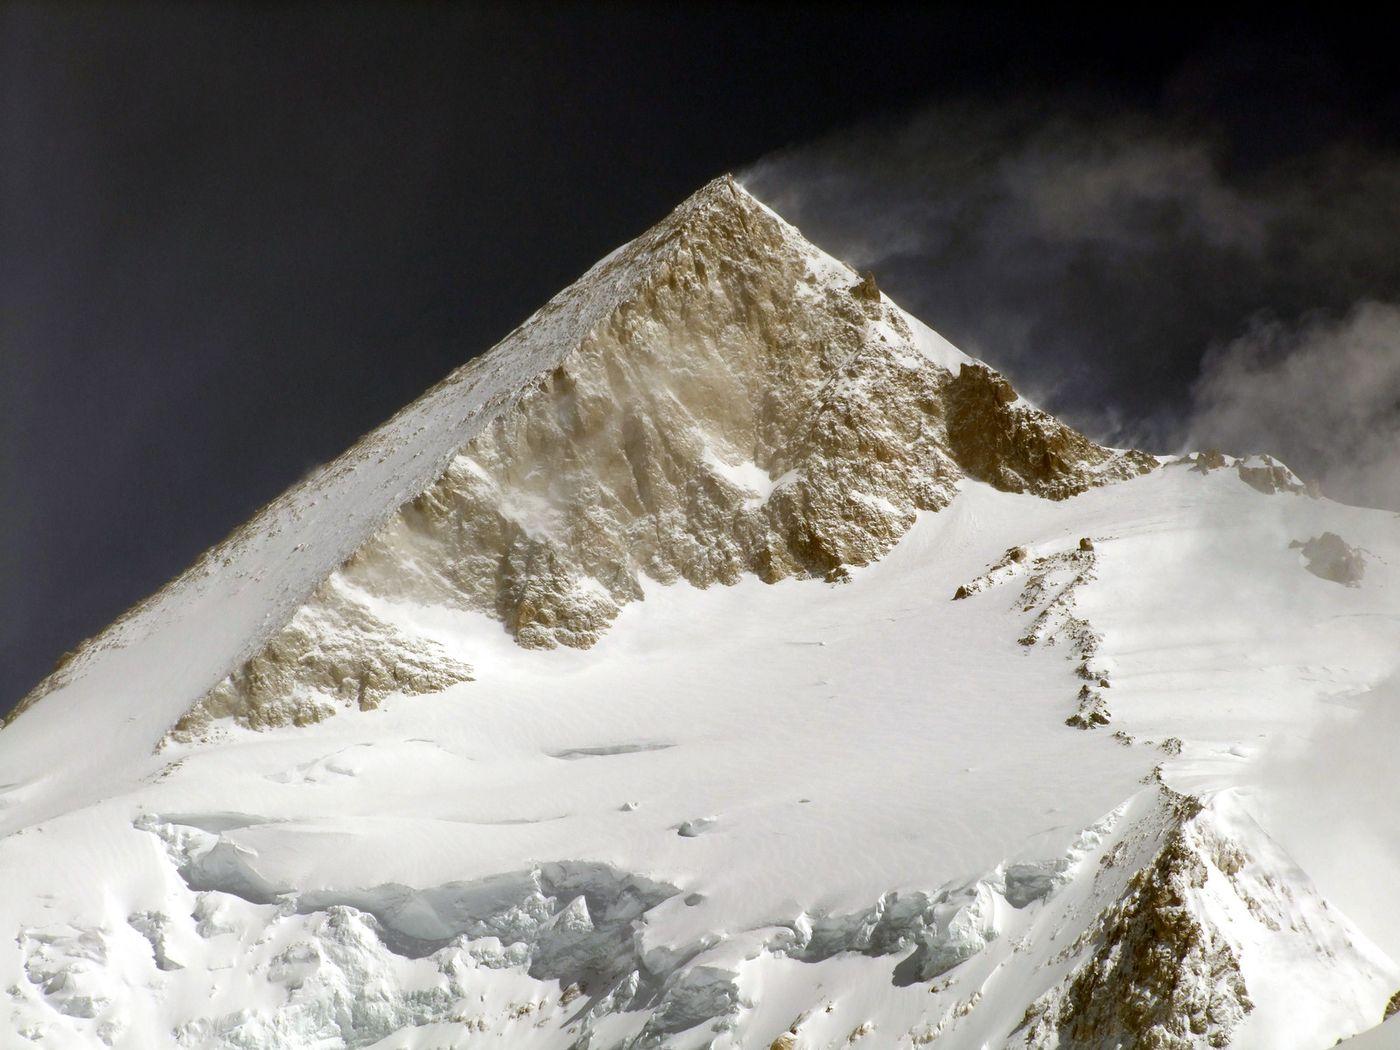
(748, 406)
(800, 816)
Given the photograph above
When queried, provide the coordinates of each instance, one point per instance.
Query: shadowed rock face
(1017, 448)
(746, 407)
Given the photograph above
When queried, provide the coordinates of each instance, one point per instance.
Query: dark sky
(234, 239)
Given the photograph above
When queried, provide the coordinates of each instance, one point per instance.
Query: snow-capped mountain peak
(461, 740)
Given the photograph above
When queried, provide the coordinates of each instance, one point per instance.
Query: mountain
(725, 660)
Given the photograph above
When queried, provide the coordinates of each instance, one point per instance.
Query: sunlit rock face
(334, 653)
(897, 810)
(1261, 472)
(746, 406)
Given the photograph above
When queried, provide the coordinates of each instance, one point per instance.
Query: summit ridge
(735, 403)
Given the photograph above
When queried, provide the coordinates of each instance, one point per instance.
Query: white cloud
(1115, 265)
(1324, 394)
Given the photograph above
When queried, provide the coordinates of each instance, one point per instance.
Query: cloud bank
(1328, 801)
(1325, 392)
(1153, 281)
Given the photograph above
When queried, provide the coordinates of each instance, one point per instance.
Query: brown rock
(1017, 448)
(624, 457)
(867, 289)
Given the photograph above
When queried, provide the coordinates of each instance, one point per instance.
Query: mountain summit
(457, 741)
(715, 398)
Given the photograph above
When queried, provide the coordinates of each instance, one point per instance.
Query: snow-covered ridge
(1156, 927)
(242, 591)
(738, 356)
(990, 767)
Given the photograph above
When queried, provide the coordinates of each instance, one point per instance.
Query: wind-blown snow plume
(1120, 266)
(1326, 393)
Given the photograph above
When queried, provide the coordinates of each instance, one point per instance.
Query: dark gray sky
(233, 239)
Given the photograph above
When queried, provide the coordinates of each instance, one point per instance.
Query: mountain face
(989, 738)
(744, 408)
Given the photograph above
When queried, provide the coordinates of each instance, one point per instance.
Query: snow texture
(725, 660)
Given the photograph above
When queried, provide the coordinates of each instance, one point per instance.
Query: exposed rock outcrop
(1329, 557)
(1208, 460)
(1269, 476)
(999, 439)
(742, 409)
(867, 289)
(1156, 973)
(334, 653)
(1051, 583)
(1260, 472)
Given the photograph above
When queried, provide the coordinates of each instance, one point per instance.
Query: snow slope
(833, 808)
